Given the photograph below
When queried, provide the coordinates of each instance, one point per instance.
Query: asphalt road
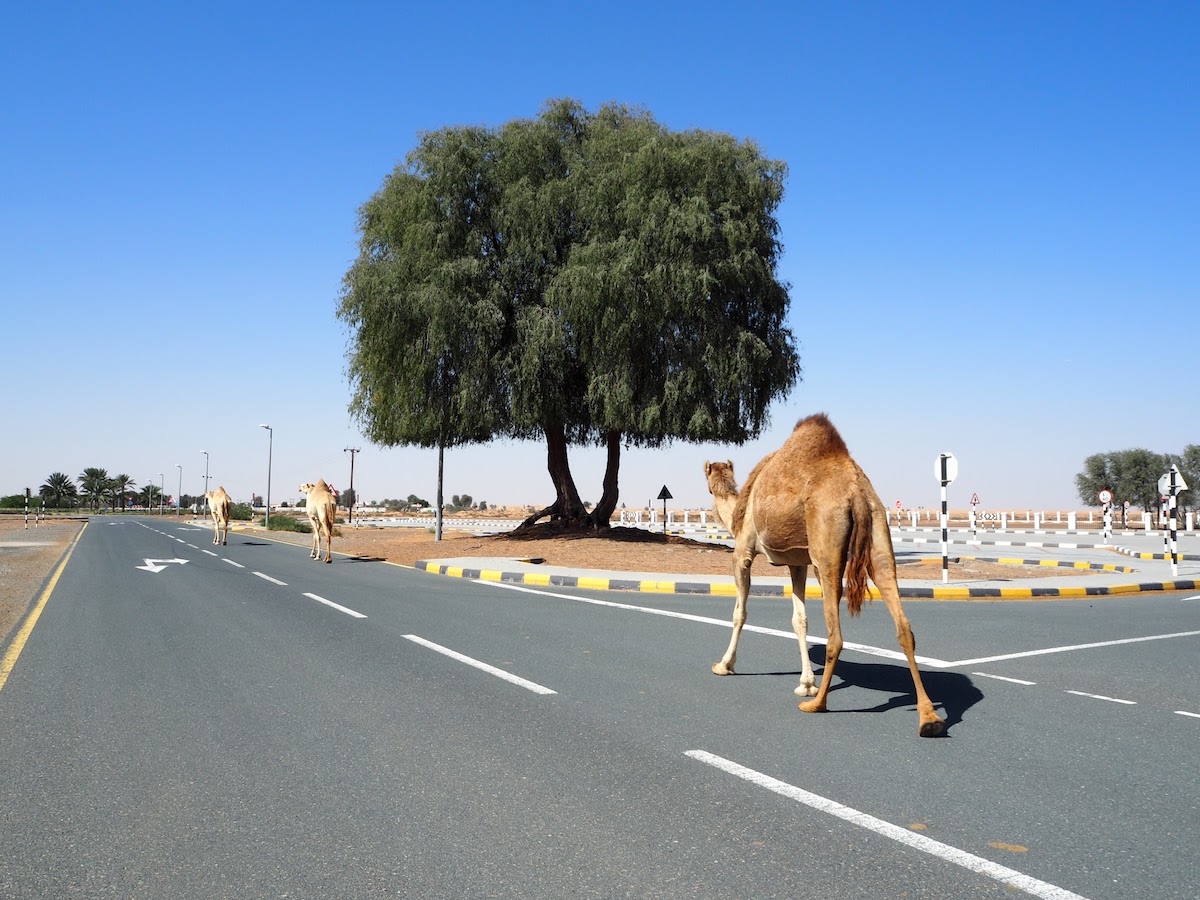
(218, 729)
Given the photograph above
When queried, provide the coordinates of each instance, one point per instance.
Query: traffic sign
(945, 468)
(664, 494)
(899, 505)
(1164, 483)
(1105, 496)
(974, 499)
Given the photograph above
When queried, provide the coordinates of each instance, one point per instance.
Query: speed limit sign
(1106, 496)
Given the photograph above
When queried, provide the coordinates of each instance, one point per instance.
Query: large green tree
(57, 488)
(94, 486)
(584, 278)
(1130, 474)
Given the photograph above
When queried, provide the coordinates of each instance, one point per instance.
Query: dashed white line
(1004, 678)
(232, 563)
(482, 666)
(337, 606)
(1191, 715)
(1102, 697)
(969, 861)
(209, 552)
(270, 579)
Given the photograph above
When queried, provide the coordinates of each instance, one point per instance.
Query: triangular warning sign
(974, 499)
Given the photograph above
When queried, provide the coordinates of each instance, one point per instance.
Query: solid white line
(977, 864)
(1138, 640)
(1186, 599)
(337, 606)
(231, 562)
(491, 670)
(1004, 678)
(723, 623)
(270, 579)
(1180, 712)
(209, 552)
(1102, 697)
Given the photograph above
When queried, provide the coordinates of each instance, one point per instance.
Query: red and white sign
(899, 505)
(1105, 496)
(974, 499)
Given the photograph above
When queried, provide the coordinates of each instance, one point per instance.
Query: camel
(219, 505)
(809, 502)
(322, 512)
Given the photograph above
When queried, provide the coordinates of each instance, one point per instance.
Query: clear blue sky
(990, 227)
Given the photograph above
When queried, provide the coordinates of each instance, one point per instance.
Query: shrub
(241, 512)
(289, 523)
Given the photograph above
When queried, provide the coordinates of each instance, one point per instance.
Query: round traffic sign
(1106, 496)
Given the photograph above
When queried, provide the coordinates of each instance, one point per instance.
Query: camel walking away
(322, 513)
(219, 505)
(809, 502)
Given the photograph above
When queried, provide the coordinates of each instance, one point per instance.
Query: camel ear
(729, 462)
(707, 467)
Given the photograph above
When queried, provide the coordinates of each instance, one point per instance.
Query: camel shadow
(953, 692)
(370, 559)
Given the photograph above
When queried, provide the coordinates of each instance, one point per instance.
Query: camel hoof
(811, 706)
(722, 669)
(933, 728)
(329, 560)
(802, 691)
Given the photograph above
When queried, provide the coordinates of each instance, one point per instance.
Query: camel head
(305, 488)
(720, 478)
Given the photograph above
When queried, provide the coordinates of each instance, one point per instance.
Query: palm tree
(120, 485)
(148, 496)
(93, 484)
(58, 486)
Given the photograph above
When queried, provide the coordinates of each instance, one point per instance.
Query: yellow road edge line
(26, 629)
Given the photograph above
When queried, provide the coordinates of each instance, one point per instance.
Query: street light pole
(270, 451)
(161, 485)
(179, 496)
(205, 452)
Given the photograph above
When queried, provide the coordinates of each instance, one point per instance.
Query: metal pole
(352, 451)
(1171, 523)
(26, 509)
(162, 484)
(945, 526)
(179, 496)
(270, 452)
(205, 452)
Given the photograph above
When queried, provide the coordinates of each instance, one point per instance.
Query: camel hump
(820, 438)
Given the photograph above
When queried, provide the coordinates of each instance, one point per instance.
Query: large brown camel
(322, 513)
(219, 505)
(809, 502)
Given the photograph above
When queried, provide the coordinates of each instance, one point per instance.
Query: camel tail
(859, 553)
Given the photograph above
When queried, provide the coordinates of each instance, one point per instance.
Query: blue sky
(990, 226)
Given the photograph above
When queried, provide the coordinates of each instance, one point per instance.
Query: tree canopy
(580, 277)
(1133, 475)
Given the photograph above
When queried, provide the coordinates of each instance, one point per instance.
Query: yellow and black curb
(813, 592)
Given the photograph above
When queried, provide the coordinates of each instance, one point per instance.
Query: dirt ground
(27, 558)
(621, 549)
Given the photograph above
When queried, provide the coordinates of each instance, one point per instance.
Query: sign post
(1170, 486)
(1105, 497)
(664, 495)
(945, 470)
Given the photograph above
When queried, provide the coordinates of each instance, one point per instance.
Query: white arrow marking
(152, 564)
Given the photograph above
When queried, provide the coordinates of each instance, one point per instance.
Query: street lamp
(161, 485)
(270, 445)
(205, 452)
(179, 496)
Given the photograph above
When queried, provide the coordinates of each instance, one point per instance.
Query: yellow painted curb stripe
(18, 643)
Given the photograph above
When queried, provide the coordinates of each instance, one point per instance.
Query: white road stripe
(1137, 640)
(969, 861)
(1180, 712)
(491, 670)
(1004, 678)
(231, 562)
(209, 552)
(270, 579)
(1102, 697)
(722, 623)
(337, 606)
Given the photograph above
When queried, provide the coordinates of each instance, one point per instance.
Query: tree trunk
(608, 501)
(567, 506)
(438, 520)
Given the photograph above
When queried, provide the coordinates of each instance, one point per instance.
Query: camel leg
(808, 684)
(329, 545)
(741, 580)
(832, 599)
(931, 724)
(316, 548)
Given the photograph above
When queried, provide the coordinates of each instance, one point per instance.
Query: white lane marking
(1180, 712)
(1004, 678)
(969, 861)
(722, 623)
(337, 606)
(231, 562)
(1137, 640)
(1186, 599)
(270, 579)
(209, 552)
(1102, 697)
(491, 670)
(193, 546)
